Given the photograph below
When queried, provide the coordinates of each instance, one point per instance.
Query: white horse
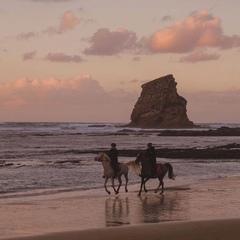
(109, 172)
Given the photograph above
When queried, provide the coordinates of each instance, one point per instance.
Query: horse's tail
(135, 166)
(170, 171)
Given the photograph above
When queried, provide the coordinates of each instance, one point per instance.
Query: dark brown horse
(146, 172)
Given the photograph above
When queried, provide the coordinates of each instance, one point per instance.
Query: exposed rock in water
(160, 106)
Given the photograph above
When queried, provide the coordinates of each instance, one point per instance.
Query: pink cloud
(106, 42)
(199, 57)
(68, 22)
(77, 99)
(29, 55)
(200, 29)
(62, 57)
(26, 91)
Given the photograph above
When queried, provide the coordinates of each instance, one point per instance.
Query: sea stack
(160, 106)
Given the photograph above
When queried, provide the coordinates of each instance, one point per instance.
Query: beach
(51, 187)
(207, 210)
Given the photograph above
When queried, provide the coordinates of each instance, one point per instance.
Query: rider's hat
(113, 145)
(149, 144)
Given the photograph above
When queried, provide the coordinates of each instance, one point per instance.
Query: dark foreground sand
(209, 210)
(191, 230)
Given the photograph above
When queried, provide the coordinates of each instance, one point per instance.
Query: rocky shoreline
(223, 131)
(229, 151)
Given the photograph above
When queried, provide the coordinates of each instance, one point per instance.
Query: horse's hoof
(109, 192)
(145, 191)
(126, 190)
(155, 191)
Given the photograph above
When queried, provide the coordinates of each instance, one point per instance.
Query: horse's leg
(162, 188)
(119, 185)
(142, 183)
(126, 177)
(105, 185)
(112, 178)
(160, 183)
(162, 177)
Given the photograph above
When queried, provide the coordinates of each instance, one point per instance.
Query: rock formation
(160, 106)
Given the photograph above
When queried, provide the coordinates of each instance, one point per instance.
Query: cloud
(199, 57)
(68, 22)
(35, 91)
(106, 42)
(27, 35)
(77, 99)
(230, 42)
(29, 55)
(166, 18)
(62, 57)
(213, 106)
(200, 29)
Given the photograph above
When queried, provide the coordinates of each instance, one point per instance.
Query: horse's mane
(105, 156)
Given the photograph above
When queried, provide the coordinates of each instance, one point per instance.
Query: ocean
(38, 159)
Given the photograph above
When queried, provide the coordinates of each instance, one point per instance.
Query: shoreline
(74, 215)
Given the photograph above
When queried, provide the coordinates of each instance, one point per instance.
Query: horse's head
(139, 157)
(98, 158)
(101, 157)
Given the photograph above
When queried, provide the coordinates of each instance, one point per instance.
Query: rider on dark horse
(113, 155)
(151, 156)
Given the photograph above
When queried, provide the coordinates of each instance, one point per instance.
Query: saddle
(155, 171)
(159, 168)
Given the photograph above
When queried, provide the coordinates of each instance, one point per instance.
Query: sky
(85, 60)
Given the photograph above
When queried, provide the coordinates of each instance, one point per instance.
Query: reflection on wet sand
(116, 211)
(199, 201)
(159, 208)
(151, 208)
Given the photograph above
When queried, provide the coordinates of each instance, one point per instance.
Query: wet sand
(200, 211)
